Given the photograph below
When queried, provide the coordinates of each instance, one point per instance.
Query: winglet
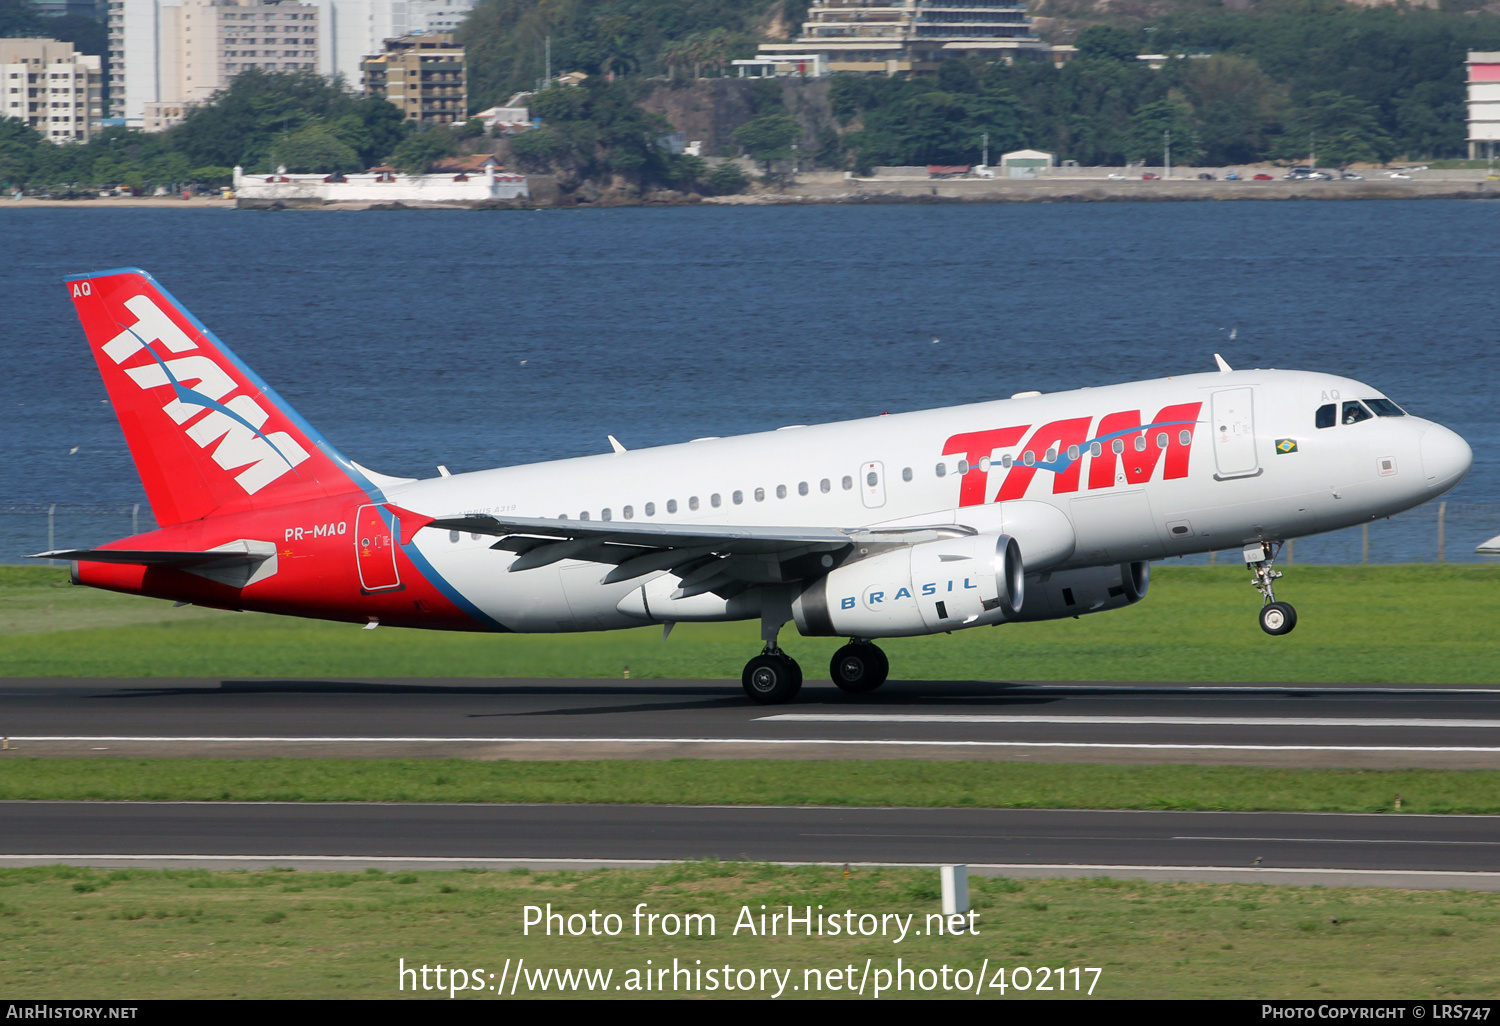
(1224, 368)
(615, 443)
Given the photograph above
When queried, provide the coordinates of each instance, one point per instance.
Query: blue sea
(476, 339)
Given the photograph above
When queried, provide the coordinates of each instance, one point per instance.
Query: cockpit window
(1385, 408)
(1328, 415)
(1354, 413)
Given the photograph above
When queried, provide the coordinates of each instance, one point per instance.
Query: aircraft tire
(772, 679)
(1278, 618)
(859, 668)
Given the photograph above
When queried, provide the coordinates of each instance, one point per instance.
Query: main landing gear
(859, 667)
(773, 677)
(1276, 618)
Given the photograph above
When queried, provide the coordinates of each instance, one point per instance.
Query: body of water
(476, 339)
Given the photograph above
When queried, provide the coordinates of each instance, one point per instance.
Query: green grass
(1376, 624)
(755, 782)
(130, 934)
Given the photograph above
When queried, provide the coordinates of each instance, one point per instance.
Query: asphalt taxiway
(1288, 848)
(1249, 724)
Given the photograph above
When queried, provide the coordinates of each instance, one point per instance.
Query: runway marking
(1195, 721)
(1334, 840)
(899, 743)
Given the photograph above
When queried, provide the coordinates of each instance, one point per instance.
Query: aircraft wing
(709, 557)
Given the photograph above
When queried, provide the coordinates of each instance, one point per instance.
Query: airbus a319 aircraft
(1036, 507)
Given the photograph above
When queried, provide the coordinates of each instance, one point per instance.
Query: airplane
(1036, 507)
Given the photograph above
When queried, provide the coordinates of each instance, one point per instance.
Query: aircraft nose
(1446, 458)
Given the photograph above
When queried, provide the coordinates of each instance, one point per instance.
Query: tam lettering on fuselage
(1123, 449)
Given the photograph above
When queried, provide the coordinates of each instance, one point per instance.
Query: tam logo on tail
(208, 436)
(235, 425)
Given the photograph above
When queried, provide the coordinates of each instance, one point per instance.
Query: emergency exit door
(1234, 433)
(375, 532)
(872, 484)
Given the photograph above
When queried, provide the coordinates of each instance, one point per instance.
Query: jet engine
(1091, 590)
(921, 589)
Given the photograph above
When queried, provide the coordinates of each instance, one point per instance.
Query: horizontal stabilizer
(237, 564)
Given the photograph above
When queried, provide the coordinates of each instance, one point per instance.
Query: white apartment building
(354, 29)
(166, 55)
(1484, 103)
(887, 36)
(53, 89)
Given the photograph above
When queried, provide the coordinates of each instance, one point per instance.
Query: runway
(1249, 724)
(1360, 850)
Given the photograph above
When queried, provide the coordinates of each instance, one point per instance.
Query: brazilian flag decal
(1286, 445)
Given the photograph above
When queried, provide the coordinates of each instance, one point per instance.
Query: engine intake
(923, 589)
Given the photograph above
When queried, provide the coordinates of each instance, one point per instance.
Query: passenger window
(824, 486)
(906, 474)
(606, 515)
(671, 505)
(1006, 461)
(693, 502)
(963, 467)
(1385, 408)
(1327, 416)
(1161, 440)
(629, 512)
(781, 491)
(715, 501)
(738, 497)
(584, 515)
(1354, 413)
(1140, 443)
(801, 487)
(1184, 437)
(650, 509)
(942, 470)
(1050, 457)
(453, 537)
(1117, 446)
(1073, 452)
(847, 482)
(1095, 449)
(760, 495)
(1028, 459)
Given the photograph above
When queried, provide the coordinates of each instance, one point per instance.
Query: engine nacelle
(1091, 590)
(924, 589)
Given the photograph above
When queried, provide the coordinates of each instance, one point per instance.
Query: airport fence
(1435, 533)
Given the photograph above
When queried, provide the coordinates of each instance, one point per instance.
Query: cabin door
(375, 532)
(1234, 433)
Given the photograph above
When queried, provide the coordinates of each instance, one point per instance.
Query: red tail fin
(207, 435)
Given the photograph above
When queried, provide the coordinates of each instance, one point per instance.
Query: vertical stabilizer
(206, 433)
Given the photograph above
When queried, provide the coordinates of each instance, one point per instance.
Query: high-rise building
(887, 36)
(1484, 103)
(421, 74)
(166, 55)
(353, 29)
(50, 87)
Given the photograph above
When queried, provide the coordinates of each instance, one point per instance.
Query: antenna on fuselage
(1224, 368)
(615, 443)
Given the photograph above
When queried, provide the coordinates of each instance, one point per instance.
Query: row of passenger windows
(825, 486)
(716, 500)
(1354, 412)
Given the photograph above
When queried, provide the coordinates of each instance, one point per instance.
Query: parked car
(1402, 177)
(1232, 176)
(1116, 178)
(1150, 177)
(1205, 176)
(1351, 176)
(1262, 177)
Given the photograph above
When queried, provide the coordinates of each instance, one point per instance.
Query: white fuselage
(1248, 465)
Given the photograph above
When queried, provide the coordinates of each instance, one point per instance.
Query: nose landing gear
(1276, 618)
